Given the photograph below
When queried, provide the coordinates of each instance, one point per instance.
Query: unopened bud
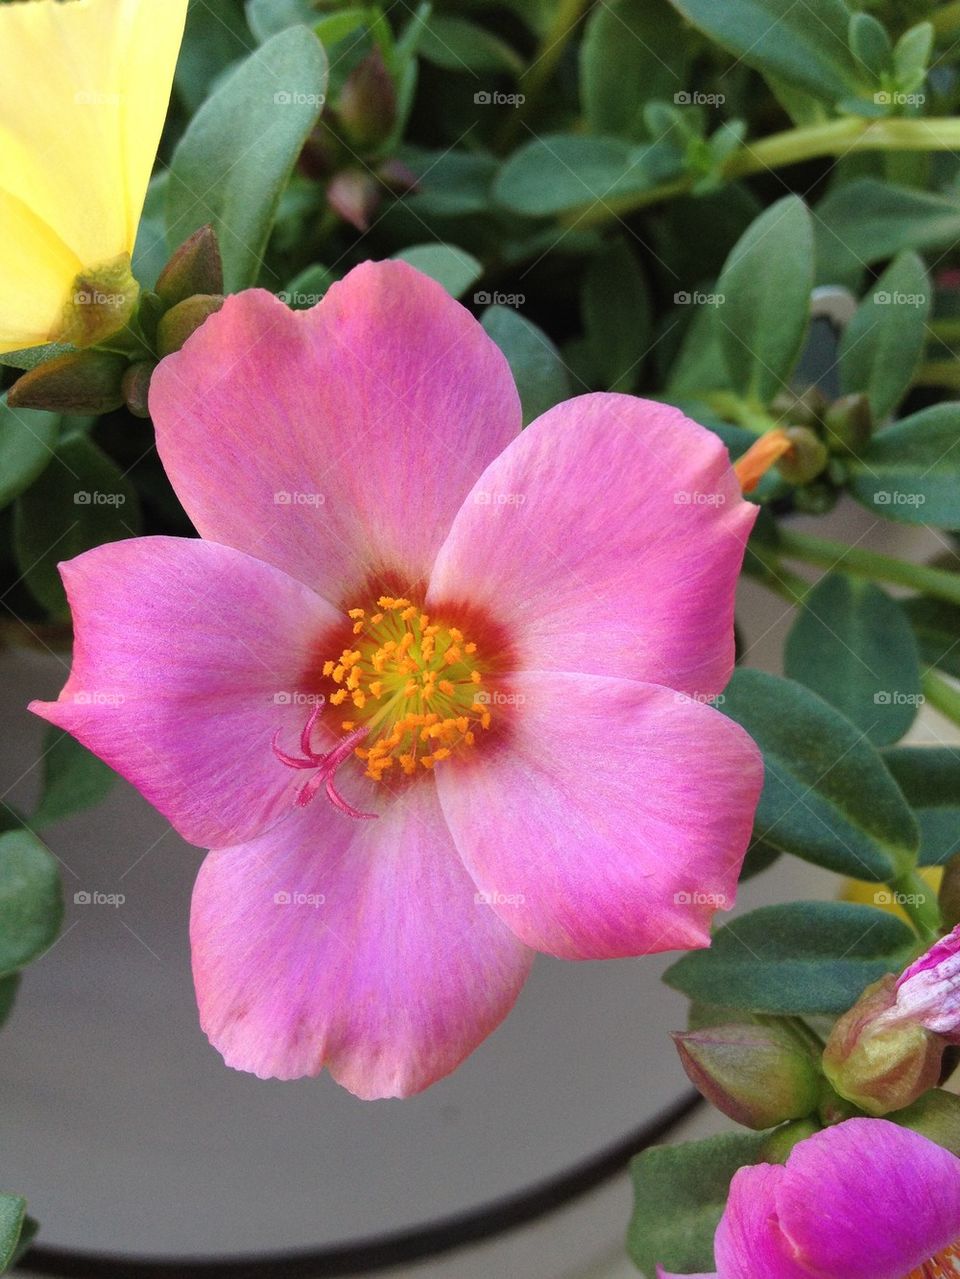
(136, 387)
(759, 1075)
(878, 1058)
(367, 106)
(936, 1115)
(807, 456)
(803, 409)
(817, 498)
(78, 382)
(196, 267)
(354, 196)
(848, 424)
(184, 319)
(397, 177)
(777, 1147)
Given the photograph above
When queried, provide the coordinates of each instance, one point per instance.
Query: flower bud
(848, 424)
(878, 1057)
(805, 408)
(101, 302)
(935, 1115)
(78, 382)
(759, 1075)
(196, 267)
(183, 319)
(354, 196)
(928, 992)
(778, 1145)
(367, 106)
(807, 456)
(136, 386)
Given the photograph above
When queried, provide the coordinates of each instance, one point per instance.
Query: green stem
(769, 572)
(919, 901)
(946, 20)
(942, 695)
(537, 75)
(837, 137)
(753, 417)
(938, 582)
(938, 373)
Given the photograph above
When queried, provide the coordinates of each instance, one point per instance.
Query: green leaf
(870, 45)
(73, 778)
(539, 372)
(216, 37)
(236, 157)
(12, 1212)
(267, 18)
(679, 1196)
(882, 345)
(803, 45)
(911, 56)
(929, 777)
(451, 183)
(766, 285)
(633, 51)
(867, 221)
(79, 501)
(936, 625)
(454, 268)
(151, 251)
(617, 317)
(308, 288)
(455, 44)
(803, 958)
(699, 367)
(31, 356)
(911, 471)
(827, 795)
(561, 172)
(31, 899)
(28, 438)
(852, 644)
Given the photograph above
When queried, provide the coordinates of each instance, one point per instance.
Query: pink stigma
(325, 764)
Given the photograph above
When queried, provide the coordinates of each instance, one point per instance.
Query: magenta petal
(869, 1200)
(609, 538)
(749, 1242)
(929, 991)
(610, 818)
(188, 658)
(340, 441)
(359, 946)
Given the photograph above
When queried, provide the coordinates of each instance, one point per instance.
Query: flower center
(414, 685)
(945, 1265)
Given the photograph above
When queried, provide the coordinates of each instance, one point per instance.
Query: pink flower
(864, 1200)
(501, 644)
(928, 992)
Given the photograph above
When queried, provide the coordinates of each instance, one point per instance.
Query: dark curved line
(457, 1231)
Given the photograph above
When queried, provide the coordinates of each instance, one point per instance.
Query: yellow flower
(83, 97)
(870, 894)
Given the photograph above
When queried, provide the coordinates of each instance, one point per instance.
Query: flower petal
(868, 1199)
(353, 945)
(749, 1243)
(188, 657)
(608, 818)
(107, 67)
(337, 443)
(608, 537)
(928, 992)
